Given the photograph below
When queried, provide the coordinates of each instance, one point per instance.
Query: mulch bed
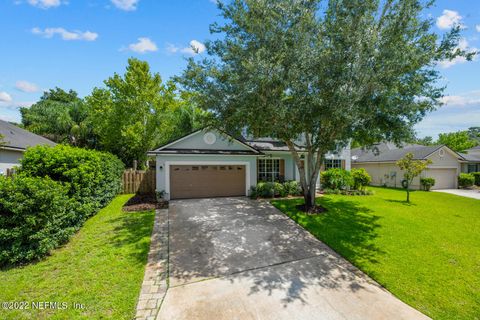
(313, 210)
(143, 202)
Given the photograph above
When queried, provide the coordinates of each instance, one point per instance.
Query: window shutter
(282, 167)
(343, 164)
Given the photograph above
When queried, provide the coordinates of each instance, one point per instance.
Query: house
(472, 157)
(212, 163)
(380, 162)
(15, 141)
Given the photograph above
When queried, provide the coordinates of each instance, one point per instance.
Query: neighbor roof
(470, 157)
(18, 138)
(390, 154)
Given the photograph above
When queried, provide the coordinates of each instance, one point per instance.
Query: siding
(9, 159)
(196, 142)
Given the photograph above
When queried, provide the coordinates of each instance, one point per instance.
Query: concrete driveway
(475, 194)
(234, 258)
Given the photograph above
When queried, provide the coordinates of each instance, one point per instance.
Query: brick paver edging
(155, 283)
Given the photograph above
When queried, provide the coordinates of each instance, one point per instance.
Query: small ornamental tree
(412, 168)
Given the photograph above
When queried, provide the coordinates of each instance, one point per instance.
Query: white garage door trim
(453, 170)
(205, 163)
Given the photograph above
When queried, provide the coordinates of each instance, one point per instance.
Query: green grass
(427, 253)
(101, 267)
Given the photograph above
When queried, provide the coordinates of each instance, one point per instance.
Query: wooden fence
(139, 181)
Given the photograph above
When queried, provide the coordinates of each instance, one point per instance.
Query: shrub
(265, 189)
(253, 192)
(279, 190)
(293, 188)
(93, 178)
(336, 179)
(466, 180)
(361, 178)
(427, 183)
(36, 215)
(476, 175)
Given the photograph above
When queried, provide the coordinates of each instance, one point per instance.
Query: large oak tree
(317, 74)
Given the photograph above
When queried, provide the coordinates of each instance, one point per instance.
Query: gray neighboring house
(380, 162)
(212, 163)
(472, 157)
(15, 141)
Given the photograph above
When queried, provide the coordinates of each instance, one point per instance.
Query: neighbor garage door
(202, 181)
(444, 178)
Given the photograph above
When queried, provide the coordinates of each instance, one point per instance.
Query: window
(268, 169)
(332, 163)
(473, 168)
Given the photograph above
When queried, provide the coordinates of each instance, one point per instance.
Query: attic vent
(441, 153)
(375, 151)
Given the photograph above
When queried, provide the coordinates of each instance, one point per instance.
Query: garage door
(202, 181)
(444, 178)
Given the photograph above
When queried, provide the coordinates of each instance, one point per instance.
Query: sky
(76, 45)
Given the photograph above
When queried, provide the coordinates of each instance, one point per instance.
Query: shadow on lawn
(348, 227)
(131, 229)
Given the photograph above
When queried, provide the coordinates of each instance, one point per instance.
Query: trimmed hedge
(36, 215)
(466, 180)
(53, 193)
(476, 175)
(93, 178)
(427, 183)
(361, 178)
(336, 179)
(275, 189)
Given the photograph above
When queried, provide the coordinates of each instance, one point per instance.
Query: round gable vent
(209, 138)
(441, 153)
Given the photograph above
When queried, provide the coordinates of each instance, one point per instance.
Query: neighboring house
(15, 141)
(380, 162)
(472, 157)
(210, 163)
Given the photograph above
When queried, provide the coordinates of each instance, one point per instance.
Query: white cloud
(26, 86)
(65, 34)
(449, 19)
(44, 4)
(471, 98)
(462, 45)
(195, 47)
(143, 45)
(126, 5)
(5, 97)
(477, 27)
(171, 48)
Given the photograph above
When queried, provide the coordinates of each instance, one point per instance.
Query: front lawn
(426, 253)
(101, 267)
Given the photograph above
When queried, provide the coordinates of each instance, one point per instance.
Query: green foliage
(411, 169)
(93, 178)
(36, 215)
(275, 189)
(336, 179)
(293, 188)
(466, 180)
(477, 178)
(134, 113)
(457, 141)
(427, 141)
(361, 178)
(60, 116)
(327, 72)
(427, 183)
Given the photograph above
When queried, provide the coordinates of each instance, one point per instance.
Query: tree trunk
(307, 182)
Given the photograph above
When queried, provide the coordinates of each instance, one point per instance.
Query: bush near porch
(54, 192)
(426, 253)
(275, 189)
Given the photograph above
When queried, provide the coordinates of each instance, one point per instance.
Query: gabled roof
(470, 157)
(264, 144)
(383, 153)
(18, 138)
(169, 147)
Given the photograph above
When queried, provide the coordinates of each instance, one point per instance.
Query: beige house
(380, 162)
(15, 141)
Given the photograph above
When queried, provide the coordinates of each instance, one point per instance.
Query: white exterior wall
(9, 159)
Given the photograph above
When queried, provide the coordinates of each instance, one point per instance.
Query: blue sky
(78, 44)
